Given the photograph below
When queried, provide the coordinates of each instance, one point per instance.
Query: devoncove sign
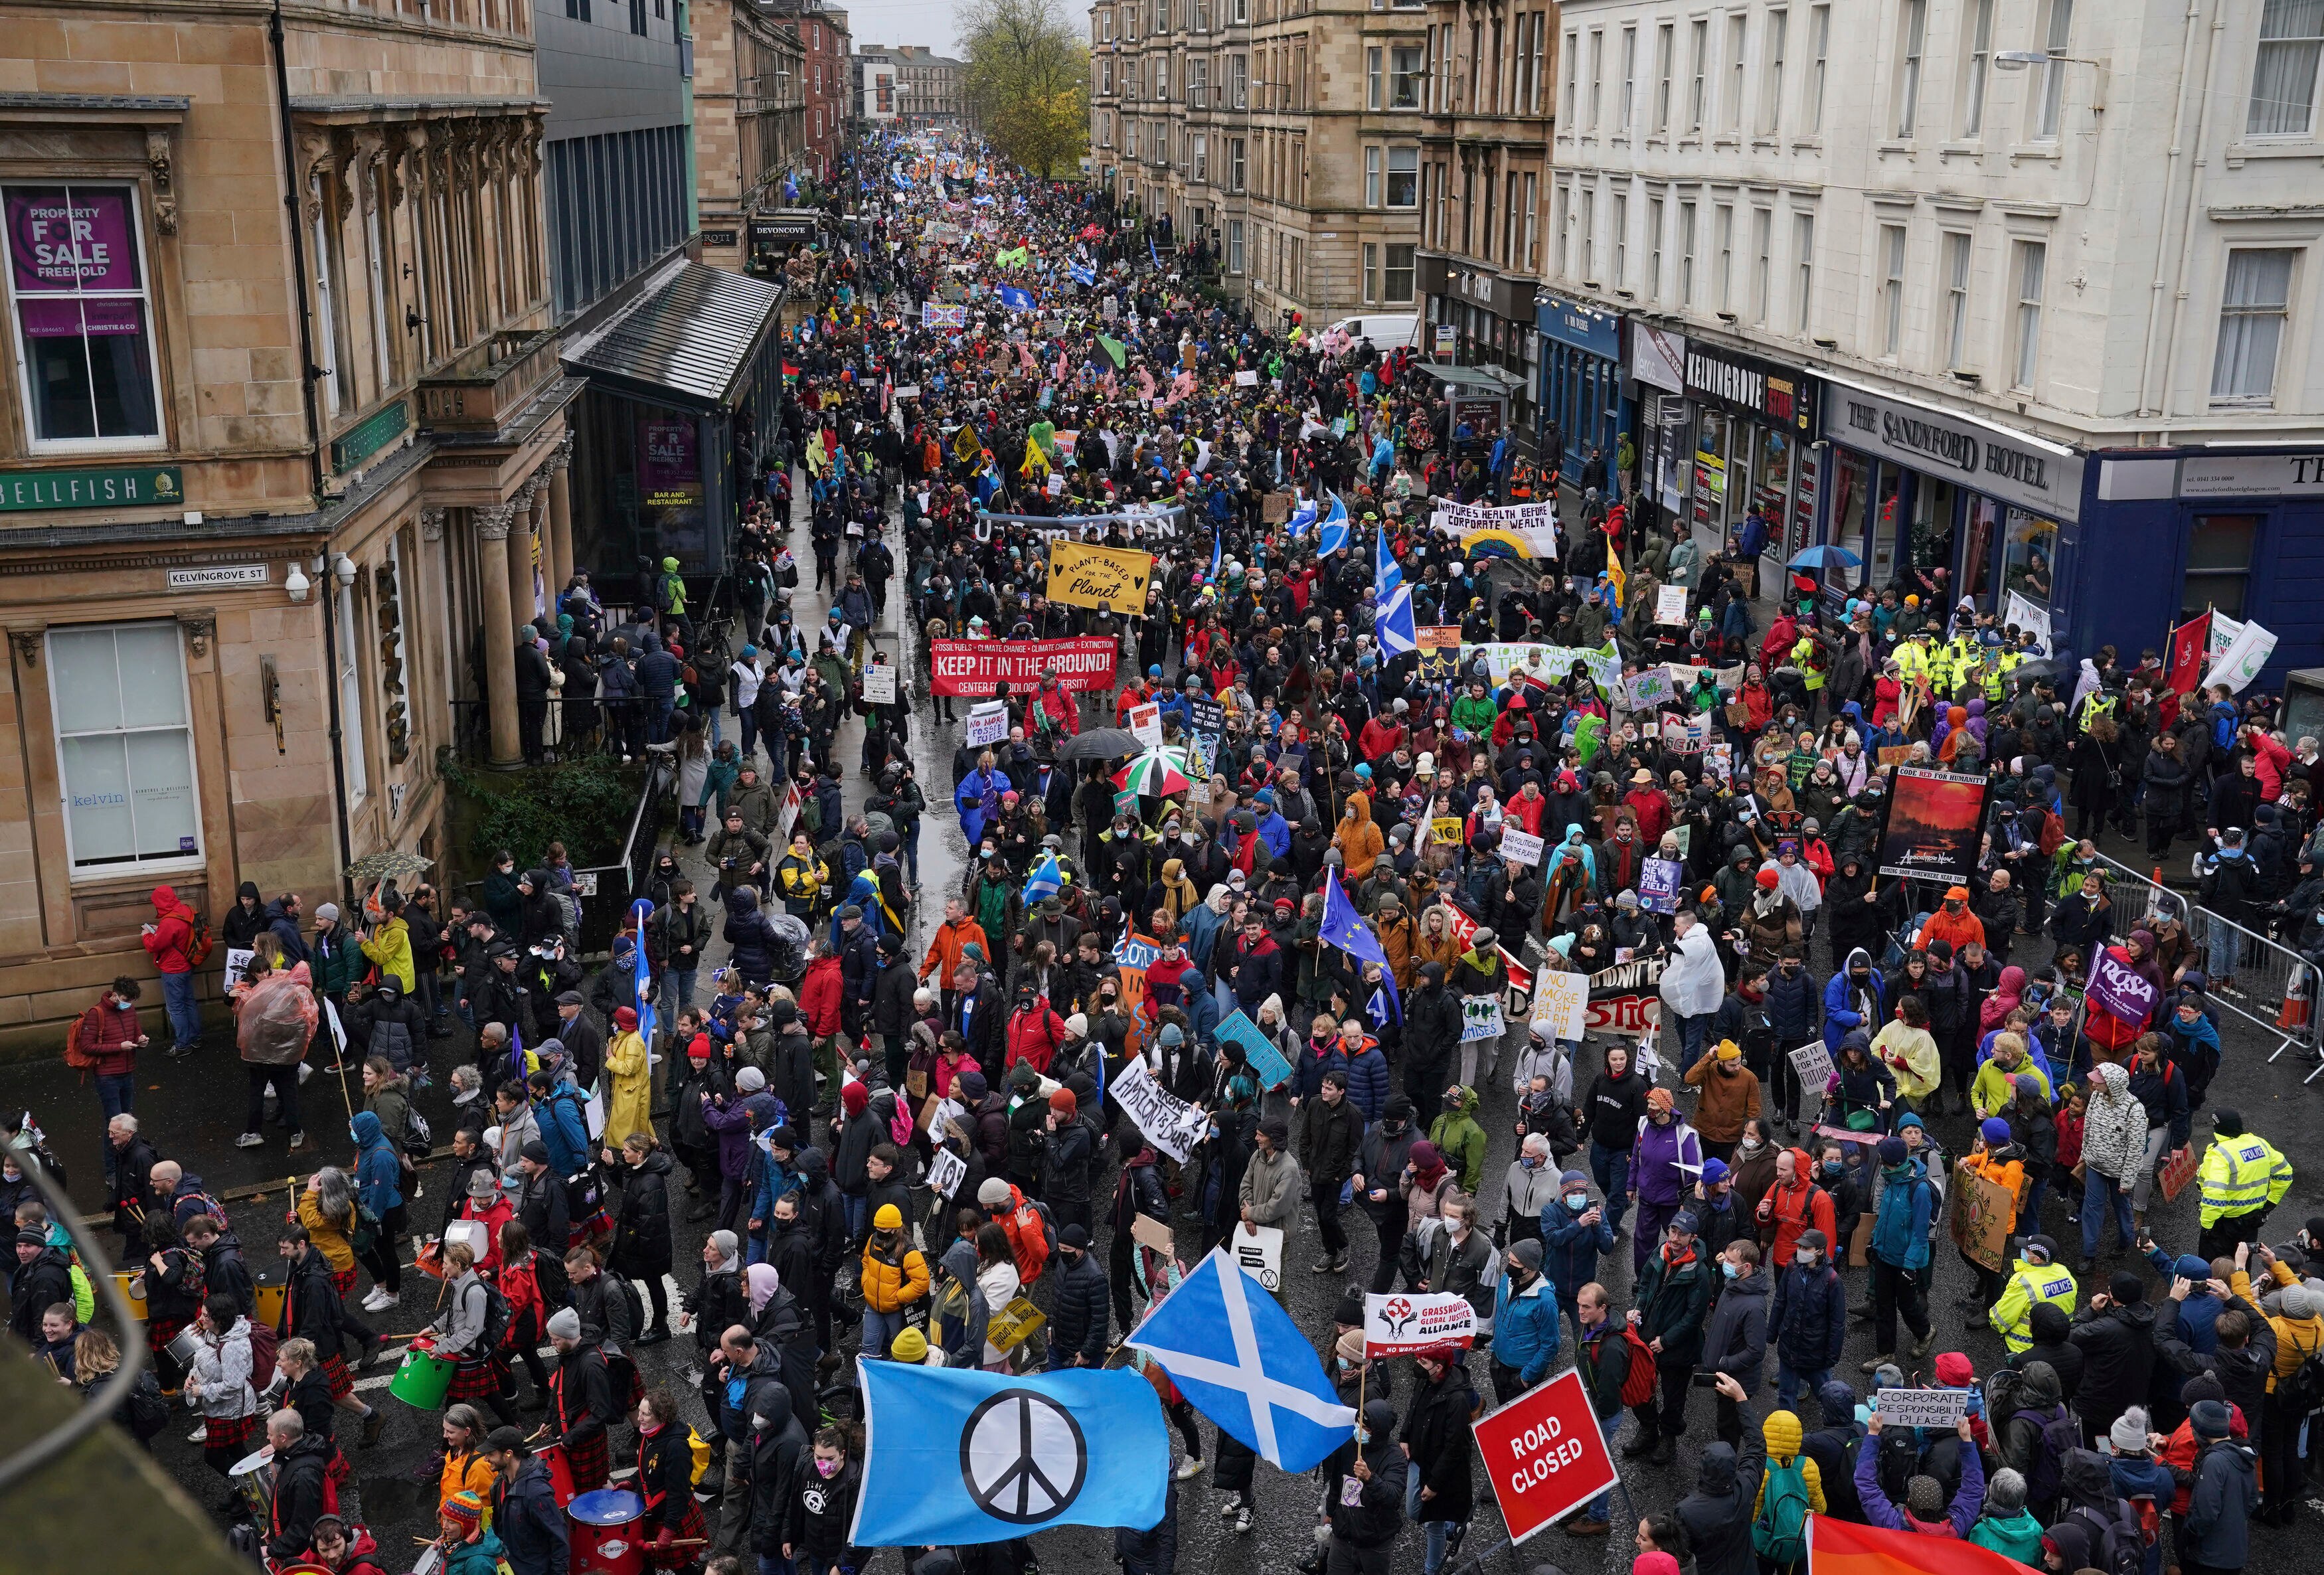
(2034, 476)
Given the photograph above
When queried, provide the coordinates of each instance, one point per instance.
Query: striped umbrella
(1152, 774)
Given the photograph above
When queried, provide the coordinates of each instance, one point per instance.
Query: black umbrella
(1101, 743)
(2050, 667)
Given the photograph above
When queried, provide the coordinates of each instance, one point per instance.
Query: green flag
(1115, 348)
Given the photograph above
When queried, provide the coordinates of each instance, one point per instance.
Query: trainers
(250, 1141)
(298, 1141)
(199, 1435)
(1323, 1265)
(1188, 1471)
(1227, 1510)
(379, 1301)
(1243, 1520)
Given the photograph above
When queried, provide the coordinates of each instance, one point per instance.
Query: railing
(605, 909)
(2262, 982)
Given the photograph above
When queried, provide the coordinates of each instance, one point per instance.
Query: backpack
(1779, 1531)
(261, 1356)
(1638, 1380)
(77, 1053)
(2045, 1472)
(2115, 1545)
(699, 1448)
(496, 1319)
(637, 1303)
(199, 944)
(148, 1413)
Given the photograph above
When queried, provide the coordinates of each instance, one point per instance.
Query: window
(1629, 107)
(1561, 217)
(1590, 235)
(124, 747)
(1653, 284)
(1234, 246)
(1735, 26)
(1912, 38)
(2284, 75)
(351, 693)
(2032, 261)
(1371, 273)
(1892, 288)
(1621, 240)
(1531, 258)
(2219, 562)
(1238, 74)
(1235, 169)
(1803, 273)
(85, 342)
(1202, 156)
(1406, 63)
(2252, 313)
(1572, 67)
(1375, 83)
(1819, 54)
(1763, 228)
(1980, 64)
(1771, 88)
(1371, 177)
(1723, 234)
(1700, 44)
(1540, 65)
(1404, 178)
(1597, 74)
(1666, 46)
(2051, 89)
(1956, 265)
(1686, 254)
(1397, 286)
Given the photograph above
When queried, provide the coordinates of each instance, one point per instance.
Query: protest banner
(971, 668)
(1813, 1062)
(2120, 991)
(1146, 724)
(1669, 605)
(1481, 1017)
(1445, 830)
(1982, 1211)
(988, 723)
(1259, 1253)
(237, 960)
(1646, 691)
(1519, 847)
(1401, 1325)
(1014, 1323)
(879, 685)
(1460, 519)
(1921, 1407)
(1247, 378)
(1560, 1004)
(1206, 714)
(2176, 1173)
(1545, 1454)
(1267, 1061)
(1659, 881)
(1169, 1122)
(1936, 821)
(1686, 735)
(1081, 575)
(945, 1171)
(1626, 998)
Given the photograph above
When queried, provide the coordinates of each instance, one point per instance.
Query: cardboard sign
(1266, 1058)
(1168, 1122)
(1152, 1232)
(1892, 754)
(1813, 1062)
(1259, 1253)
(237, 958)
(2177, 1173)
(1146, 724)
(1247, 378)
(1010, 1326)
(1560, 1004)
(1401, 1325)
(1647, 690)
(1082, 575)
(1659, 881)
(946, 1170)
(1481, 1017)
(1519, 847)
(879, 685)
(1545, 1454)
(1921, 1407)
(988, 723)
(1669, 605)
(1275, 507)
(1982, 1213)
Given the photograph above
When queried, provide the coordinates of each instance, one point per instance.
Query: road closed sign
(1546, 1454)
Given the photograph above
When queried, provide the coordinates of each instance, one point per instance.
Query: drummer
(459, 1335)
(467, 1465)
(665, 1481)
(584, 1403)
(218, 1381)
(313, 1309)
(295, 1486)
(173, 1292)
(525, 1512)
(488, 1205)
(343, 1549)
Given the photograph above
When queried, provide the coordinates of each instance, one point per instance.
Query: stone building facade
(277, 479)
(750, 104)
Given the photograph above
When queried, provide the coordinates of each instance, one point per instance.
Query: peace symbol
(1023, 1458)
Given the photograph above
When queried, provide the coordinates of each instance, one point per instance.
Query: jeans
(2225, 950)
(1439, 1531)
(285, 1080)
(1789, 1381)
(118, 1095)
(677, 991)
(1325, 1196)
(1692, 1032)
(774, 1564)
(2158, 1138)
(854, 1208)
(879, 1330)
(180, 998)
(1611, 1168)
(2098, 1191)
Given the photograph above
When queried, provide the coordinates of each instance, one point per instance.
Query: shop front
(1488, 318)
(1947, 505)
(1746, 439)
(1581, 402)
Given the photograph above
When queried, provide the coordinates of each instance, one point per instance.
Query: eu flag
(951, 1456)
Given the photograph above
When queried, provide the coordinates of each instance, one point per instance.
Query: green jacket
(334, 961)
(1475, 716)
(1462, 1141)
(2016, 1536)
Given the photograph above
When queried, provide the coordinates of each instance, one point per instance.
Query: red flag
(2190, 645)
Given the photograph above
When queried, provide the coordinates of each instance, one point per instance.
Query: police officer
(2244, 1177)
(2037, 1277)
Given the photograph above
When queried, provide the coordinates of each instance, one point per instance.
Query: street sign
(1546, 1454)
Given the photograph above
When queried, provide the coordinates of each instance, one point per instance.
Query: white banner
(1547, 664)
(1921, 1407)
(2026, 615)
(1169, 1122)
(1461, 517)
(1481, 1017)
(1519, 847)
(2244, 656)
(1259, 1253)
(1401, 1325)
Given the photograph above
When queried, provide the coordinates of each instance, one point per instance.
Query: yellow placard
(1008, 1328)
(1081, 575)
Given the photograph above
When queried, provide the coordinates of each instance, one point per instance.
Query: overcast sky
(915, 21)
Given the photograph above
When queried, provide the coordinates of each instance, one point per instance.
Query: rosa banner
(970, 668)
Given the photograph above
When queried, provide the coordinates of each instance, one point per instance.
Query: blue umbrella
(1823, 557)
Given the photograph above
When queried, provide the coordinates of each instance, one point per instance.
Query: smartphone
(1706, 1380)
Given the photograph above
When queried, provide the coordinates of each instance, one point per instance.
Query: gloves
(663, 1538)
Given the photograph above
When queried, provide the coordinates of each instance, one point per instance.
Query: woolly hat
(2211, 1418)
(565, 1324)
(888, 1217)
(750, 1080)
(2128, 1433)
(465, 1510)
(1350, 1312)
(992, 1193)
(1064, 1103)
(910, 1348)
(1527, 1252)
(972, 1087)
(2297, 1302)
(1768, 880)
(1924, 1499)
(1995, 1131)
(1573, 1178)
(1954, 1370)
(1891, 1151)
(1714, 1171)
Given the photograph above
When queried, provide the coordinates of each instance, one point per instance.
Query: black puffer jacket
(1718, 1514)
(1077, 1323)
(642, 1244)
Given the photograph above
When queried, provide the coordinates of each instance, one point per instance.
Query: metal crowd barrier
(2275, 987)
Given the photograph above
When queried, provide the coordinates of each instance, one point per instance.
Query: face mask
(1808, 1259)
(826, 1467)
(1752, 1145)
(1579, 1203)
(1529, 1161)
(1732, 1270)
(1833, 1167)
(1363, 1435)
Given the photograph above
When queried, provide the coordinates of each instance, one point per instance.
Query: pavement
(190, 1110)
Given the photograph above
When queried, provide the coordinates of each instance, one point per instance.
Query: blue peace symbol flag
(1238, 1358)
(951, 1456)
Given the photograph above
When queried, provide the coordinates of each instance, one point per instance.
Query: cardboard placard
(1259, 1253)
(1859, 1241)
(2177, 1173)
(1981, 1216)
(1892, 754)
(916, 1082)
(1560, 1004)
(1168, 1122)
(988, 723)
(1519, 847)
(1921, 1407)
(1275, 507)
(1813, 1062)
(1152, 1232)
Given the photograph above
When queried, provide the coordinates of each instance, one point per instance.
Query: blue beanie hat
(1995, 1131)
(1572, 1178)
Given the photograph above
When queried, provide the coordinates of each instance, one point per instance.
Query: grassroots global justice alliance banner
(972, 667)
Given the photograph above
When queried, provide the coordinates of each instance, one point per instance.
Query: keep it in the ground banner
(971, 668)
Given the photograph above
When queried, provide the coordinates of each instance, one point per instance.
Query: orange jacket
(944, 948)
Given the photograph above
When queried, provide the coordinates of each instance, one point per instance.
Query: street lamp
(2019, 60)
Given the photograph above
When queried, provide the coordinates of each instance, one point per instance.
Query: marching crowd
(899, 1143)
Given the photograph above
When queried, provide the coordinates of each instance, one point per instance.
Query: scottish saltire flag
(1151, 251)
(953, 1457)
(1236, 1354)
(1344, 930)
(1218, 553)
(640, 911)
(1387, 573)
(1083, 274)
(1047, 879)
(1302, 518)
(1392, 624)
(1334, 534)
(1015, 299)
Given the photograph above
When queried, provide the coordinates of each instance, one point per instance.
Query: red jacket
(110, 1033)
(818, 996)
(171, 943)
(1034, 1033)
(1787, 1210)
(1651, 809)
(1060, 709)
(1526, 812)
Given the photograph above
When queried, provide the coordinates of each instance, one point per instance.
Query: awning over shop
(689, 343)
(1479, 379)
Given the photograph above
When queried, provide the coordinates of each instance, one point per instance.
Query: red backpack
(1638, 1381)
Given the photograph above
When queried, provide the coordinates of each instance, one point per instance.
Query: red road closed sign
(1546, 1454)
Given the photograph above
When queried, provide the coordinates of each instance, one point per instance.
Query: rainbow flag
(1839, 1547)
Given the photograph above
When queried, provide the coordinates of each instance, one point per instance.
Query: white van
(1384, 331)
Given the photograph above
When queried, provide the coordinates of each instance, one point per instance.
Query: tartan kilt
(689, 1526)
(161, 1332)
(343, 1382)
(228, 1439)
(590, 1463)
(481, 1378)
(342, 1281)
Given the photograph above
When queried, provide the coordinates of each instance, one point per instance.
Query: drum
(271, 1298)
(181, 1348)
(250, 1479)
(560, 1474)
(430, 1561)
(133, 1288)
(608, 1536)
(474, 1232)
(423, 1380)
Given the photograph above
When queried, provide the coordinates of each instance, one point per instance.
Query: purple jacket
(1878, 1510)
(1667, 1161)
(736, 1125)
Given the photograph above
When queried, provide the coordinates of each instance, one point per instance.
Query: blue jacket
(1525, 1327)
(563, 1131)
(1569, 1249)
(1839, 1013)
(1367, 1084)
(1809, 1319)
(1275, 832)
(1900, 1227)
(377, 1168)
(1793, 1006)
(1200, 926)
(657, 670)
(775, 1179)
